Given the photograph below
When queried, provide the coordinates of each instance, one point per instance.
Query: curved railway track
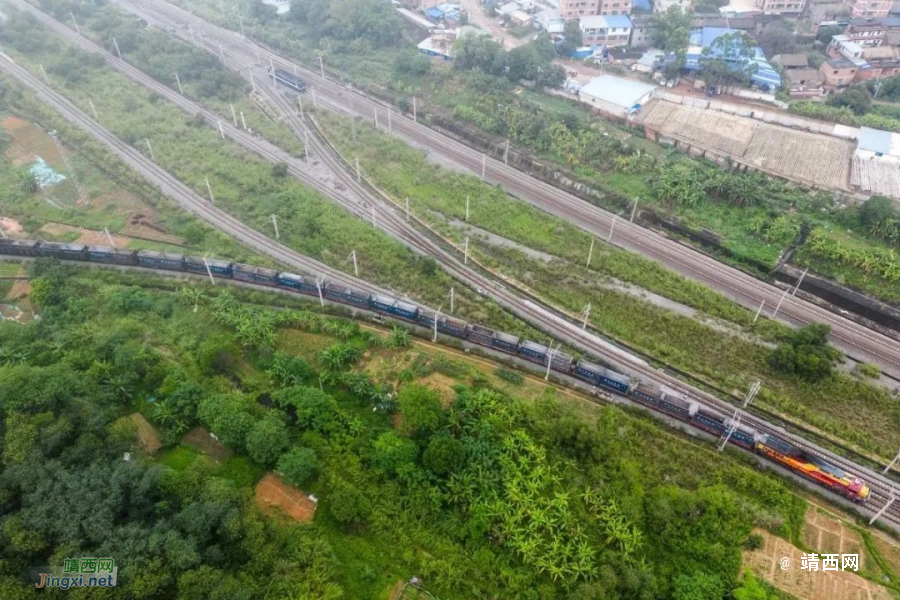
(392, 222)
(864, 343)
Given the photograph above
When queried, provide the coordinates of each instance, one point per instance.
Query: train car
(112, 256)
(289, 79)
(19, 247)
(448, 325)
(745, 437)
(562, 362)
(481, 335)
(290, 281)
(533, 351)
(160, 260)
(710, 421)
(813, 467)
(395, 307)
(253, 274)
(647, 394)
(64, 251)
(347, 295)
(504, 341)
(675, 404)
(219, 268)
(601, 376)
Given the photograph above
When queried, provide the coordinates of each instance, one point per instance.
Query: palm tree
(399, 337)
(191, 296)
(10, 356)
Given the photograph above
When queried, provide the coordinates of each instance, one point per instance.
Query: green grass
(180, 457)
(241, 471)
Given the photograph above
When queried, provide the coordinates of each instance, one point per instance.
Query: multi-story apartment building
(609, 31)
(869, 8)
(781, 6)
(575, 9)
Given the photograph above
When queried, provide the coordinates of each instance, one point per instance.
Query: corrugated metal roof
(615, 90)
(880, 142)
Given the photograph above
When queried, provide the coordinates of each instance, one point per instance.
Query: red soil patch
(273, 492)
(200, 439)
(148, 439)
(10, 226)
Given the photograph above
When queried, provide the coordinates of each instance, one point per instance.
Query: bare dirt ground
(29, 142)
(200, 439)
(825, 535)
(273, 492)
(148, 439)
(86, 236)
(10, 226)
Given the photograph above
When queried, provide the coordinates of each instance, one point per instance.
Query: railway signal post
(884, 508)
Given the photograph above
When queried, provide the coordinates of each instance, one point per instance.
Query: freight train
(660, 399)
(288, 79)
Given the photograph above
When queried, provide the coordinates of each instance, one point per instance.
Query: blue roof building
(643, 5)
(702, 39)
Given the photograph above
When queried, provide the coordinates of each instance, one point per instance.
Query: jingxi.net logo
(79, 572)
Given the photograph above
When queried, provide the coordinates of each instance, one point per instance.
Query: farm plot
(875, 177)
(810, 158)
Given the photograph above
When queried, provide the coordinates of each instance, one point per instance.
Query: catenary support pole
(208, 270)
(44, 73)
(467, 209)
(233, 115)
(243, 121)
(75, 23)
(93, 109)
(212, 200)
(178, 81)
(634, 209)
(612, 228)
(800, 281)
(586, 311)
(884, 508)
(118, 52)
(150, 149)
(506, 154)
(590, 253)
(783, 296)
(275, 225)
(466, 252)
(109, 237)
(892, 463)
(319, 281)
(451, 300)
(407, 209)
(759, 311)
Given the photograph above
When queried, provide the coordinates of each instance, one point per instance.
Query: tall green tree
(671, 30)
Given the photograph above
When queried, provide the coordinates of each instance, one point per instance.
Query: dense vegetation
(487, 494)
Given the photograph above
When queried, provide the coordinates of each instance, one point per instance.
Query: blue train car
(533, 351)
(709, 421)
(647, 394)
(295, 282)
(449, 325)
(160, 260)
(345, 294)
(64, 251)
(481, 335)
(112, 256)
(395, 307)
(19, 247)
(561, 362)
(253, 274)
(678, 406)
(742, 436)
(504, 341)
(289, 79)
(196, 264)
(604, 377)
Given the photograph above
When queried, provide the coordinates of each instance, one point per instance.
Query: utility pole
(451, 308)
(109, 237)
(233, 115)
(355, 265)
(212, 200)
(506, 154)
(758, 311)
(275, 224)
(178, 81)
(783, 296)
(892, 463)
(437, 314)
(466, 252)
(119, 52)
(483, 165)
(375, 112)
(390, 127)
(550, 354)
(751, 393)
(221, 130)
(586, 313)
(885, 507)
(319, 281)
(612, 228)
(272, 71)
(243, 121)
(634, 209)
(150, 149)
(414, 110)
(44, 73)
(306, 148)
(312, 91)
(735, 421)
(590, 253)
(93, 110)
(357, 170)
(407, 209)
(208, 270)
(374, 222)
(467, 209)
(75, 23)
(321, 67)
(800, 281)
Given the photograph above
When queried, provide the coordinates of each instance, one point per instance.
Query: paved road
(855, 339)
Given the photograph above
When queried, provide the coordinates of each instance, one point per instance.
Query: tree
(298, 465)
(671, 30)
(697, 586)
(726, 61)
(420, 408)
(267, 439)
(411, 63)
(777, 37)
(228, 416)
(876, 213)
(444, 455)
(857, 98)
(573, 39)
(393, 454)
(751, 589)
(824, 35)
(315, 409)
(280, 170)
(347, 504)
(478, 53)
(805, 352)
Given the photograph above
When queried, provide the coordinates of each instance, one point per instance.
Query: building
(551, 21)
(791, 61)
(640, 32)
(880, 61)
(281, 6)
(649, 61)
(838, 72)
(869, 8)
(439, 43)
(874, 144)
(611, 31)
(804, 83)
(661, 6)
(784, 7)
(616, 96)
(866, 31)
(520, 18)
(575, 9)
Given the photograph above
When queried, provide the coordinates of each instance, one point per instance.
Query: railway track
(863, 343)
(394, 224)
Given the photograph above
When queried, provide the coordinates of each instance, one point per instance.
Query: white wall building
(616, 96)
